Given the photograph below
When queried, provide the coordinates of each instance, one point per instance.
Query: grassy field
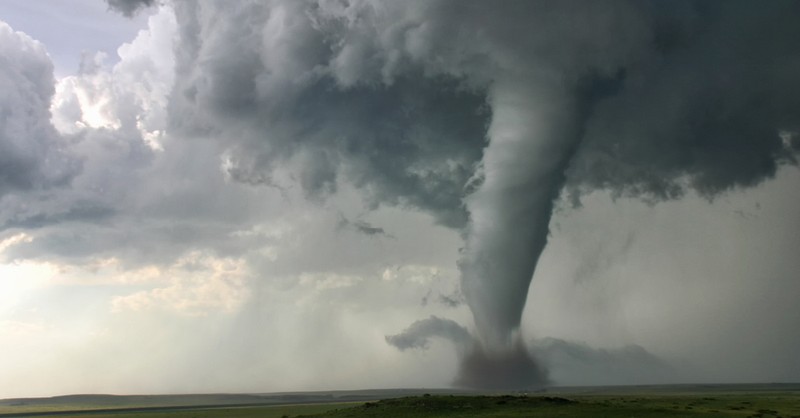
(738, 405)
(648, 402)
(277, 411)
(87, 402)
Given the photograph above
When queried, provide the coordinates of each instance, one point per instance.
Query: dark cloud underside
(129, 7)
(481, 113)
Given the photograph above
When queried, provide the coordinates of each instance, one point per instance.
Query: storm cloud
(249, 159)
(129, 7)
(32, 154)
(484, 114)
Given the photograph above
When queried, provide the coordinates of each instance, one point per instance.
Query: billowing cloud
(109, 121)
(32, 155)
(278, 143)
(485, 128)
(412, 142)
(713, 106)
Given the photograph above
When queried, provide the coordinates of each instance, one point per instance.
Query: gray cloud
(573, 363)
(477, 114)
(418, 334)
(569, 363)
(412, 142)
(32, 155)
(129, 7)
(451, 301)
(362, 227)
(128, 201)
(80, 212)
(485, 128)
(705, 111)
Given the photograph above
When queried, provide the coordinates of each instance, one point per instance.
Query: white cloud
(196, 285)
(133, 92)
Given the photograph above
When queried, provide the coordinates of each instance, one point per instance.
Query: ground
(761, 401)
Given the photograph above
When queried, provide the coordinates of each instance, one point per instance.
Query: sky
(282, 195)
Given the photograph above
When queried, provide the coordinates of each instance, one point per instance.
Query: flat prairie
(752, 401)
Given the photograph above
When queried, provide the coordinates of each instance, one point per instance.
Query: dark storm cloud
(398, 100)
(129, 7)
(418, 334)
(452, 301)
(481, 113)
(478, 113)
(362, 227)
(413, 141)
(367, 229)
(714, 107)
(81, 212)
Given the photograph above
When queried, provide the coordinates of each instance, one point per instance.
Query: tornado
(533, 133)
(531, 138)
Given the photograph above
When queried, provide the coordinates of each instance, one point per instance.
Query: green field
(740, 405)
(277, 411)
(684, 401)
